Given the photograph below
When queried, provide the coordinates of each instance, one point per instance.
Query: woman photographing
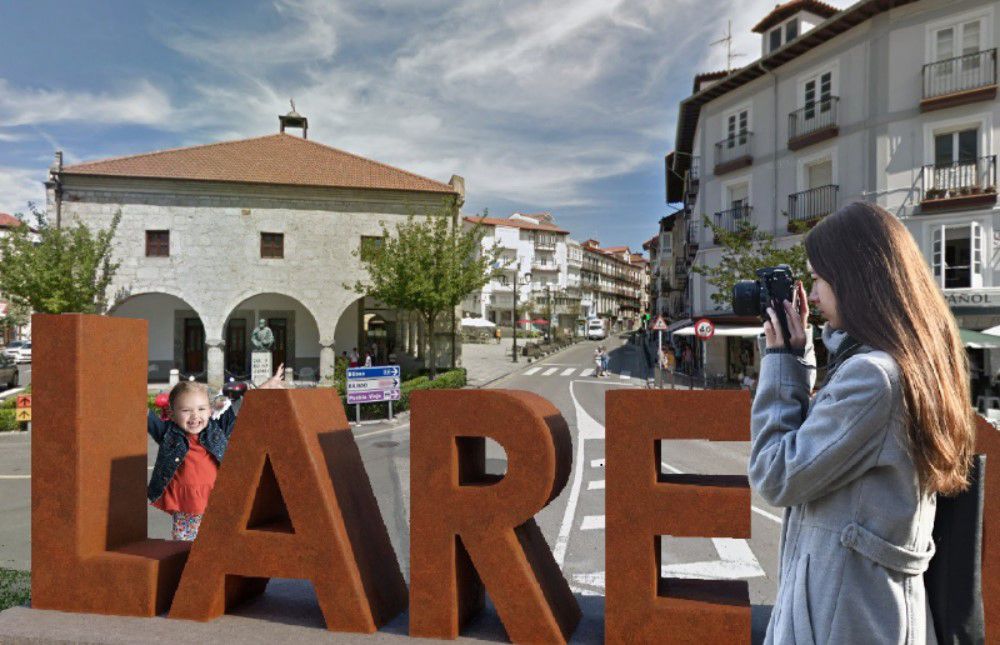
(858, 466)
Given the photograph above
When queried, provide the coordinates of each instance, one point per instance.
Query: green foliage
(428, 265)
(8, 420)
(67, 270)
(15, 588)
(744, 251)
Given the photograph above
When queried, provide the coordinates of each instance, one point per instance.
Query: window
(737, 126)
(791, 30)
(958, 256)
(819, 174)
(272, 245)
(738, 198)
(962, 39)
(157, 244)
(960, 147)
(371, 245)
(818, 89)
(775, 38)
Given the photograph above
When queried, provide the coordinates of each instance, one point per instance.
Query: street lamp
(548, 307)
(527, 278)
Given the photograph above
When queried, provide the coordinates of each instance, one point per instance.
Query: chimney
(294, 120)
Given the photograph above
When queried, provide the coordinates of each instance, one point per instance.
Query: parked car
(23, 353)
(10, 351)
(8, 372)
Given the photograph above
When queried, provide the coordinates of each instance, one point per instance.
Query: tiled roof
(9, 221)
(706, 77)
(615, 249)
(516, 223)
(280, 159)
(792, 7)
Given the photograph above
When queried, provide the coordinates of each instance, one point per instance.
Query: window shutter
(937, 257)
(976, 261)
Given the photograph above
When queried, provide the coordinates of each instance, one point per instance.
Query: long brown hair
(887, 299)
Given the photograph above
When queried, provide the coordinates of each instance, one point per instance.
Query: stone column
(215, 351)
(327, 362)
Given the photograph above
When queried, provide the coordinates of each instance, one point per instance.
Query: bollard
(175, 377)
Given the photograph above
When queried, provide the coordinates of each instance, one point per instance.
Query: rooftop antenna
(728, 40)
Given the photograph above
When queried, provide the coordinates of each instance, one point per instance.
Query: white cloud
(18, 186)
(142, 103)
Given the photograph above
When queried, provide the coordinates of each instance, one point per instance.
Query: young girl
(192, 444)
(859, 466)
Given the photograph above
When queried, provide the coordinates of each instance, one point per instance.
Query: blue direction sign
(371, 384)
(381, 371)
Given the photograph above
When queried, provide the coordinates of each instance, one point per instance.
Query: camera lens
(746, 298)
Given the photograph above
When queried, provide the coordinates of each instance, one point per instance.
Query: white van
(595, 329)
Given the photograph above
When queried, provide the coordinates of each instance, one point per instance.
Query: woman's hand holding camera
(797, 315)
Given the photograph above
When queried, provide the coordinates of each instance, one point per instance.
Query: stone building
(215, 237)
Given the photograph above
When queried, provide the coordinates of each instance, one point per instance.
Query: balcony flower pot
(975, 190)
(965, 191)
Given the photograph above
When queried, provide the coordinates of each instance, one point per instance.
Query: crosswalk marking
(568, 371)
(531, 371)
(597, 484)
(625, 376)
(589, 372)
(597, 463)
(550, 371)
(592, 523)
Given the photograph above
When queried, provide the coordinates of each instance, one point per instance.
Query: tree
(428, 266)
(57, 270)
(744, 251)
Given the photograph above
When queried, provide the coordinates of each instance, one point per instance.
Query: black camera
(772, 287)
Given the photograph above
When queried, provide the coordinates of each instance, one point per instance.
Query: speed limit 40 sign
(704, 329)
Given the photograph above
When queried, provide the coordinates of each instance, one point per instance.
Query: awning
(724, 330)
(677, 324)
(978, 340)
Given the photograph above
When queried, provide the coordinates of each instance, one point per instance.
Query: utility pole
(527, 277)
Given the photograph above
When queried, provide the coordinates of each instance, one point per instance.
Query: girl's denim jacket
(174, 446)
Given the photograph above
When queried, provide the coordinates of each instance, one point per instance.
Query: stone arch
(177, 331)
(294, 324)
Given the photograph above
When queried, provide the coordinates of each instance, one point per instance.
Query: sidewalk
(485, 363)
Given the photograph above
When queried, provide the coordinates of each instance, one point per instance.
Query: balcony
(732, 219)
(692, 178)
(962, 184)
(544, 266)
(733, 153)
(814, 123)
(543, 244)
(960, 80)
(810, 206)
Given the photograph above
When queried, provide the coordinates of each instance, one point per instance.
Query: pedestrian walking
(497, 335)
(859, 466)
(605, 359)
(598, 362)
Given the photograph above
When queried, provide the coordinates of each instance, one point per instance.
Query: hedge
(8, 420)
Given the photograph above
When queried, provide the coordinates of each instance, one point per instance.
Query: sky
(567, 106)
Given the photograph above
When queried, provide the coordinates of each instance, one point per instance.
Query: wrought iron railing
(960, 178)
(734, 147)
(731, 219)
(815, 116)
(812, 203)
(960, 74)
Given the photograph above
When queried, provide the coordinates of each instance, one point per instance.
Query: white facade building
(214, 238)
(894, 102)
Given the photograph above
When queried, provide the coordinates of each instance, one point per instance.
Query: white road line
(550, 371)
(383, 431)
(15, 476)
(597, 484)
(568, 371)
(625, 375)
(597, 463)
(531, 371)
(592, 523)
(589, 372)
(586, 428)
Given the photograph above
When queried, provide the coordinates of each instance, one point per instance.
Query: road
(573, 524)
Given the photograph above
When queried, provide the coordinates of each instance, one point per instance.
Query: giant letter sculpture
(313, 516)
(988, 443)
(468, 529)
(89, 551)
(643, 504)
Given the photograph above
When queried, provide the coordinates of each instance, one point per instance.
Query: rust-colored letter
(988, 443)
(293, 501)
(643, 504)
(89, 551)
(469, 530)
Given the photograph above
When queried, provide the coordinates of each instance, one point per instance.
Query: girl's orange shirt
(189, 489)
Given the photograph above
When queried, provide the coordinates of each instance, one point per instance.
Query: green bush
(9, 403)
(8, 420)
(15, 588)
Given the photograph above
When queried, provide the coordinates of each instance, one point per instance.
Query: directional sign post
(373, 385)
(23, 413)
(659, 327)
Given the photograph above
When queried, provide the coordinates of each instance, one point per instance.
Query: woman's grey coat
(856, 537)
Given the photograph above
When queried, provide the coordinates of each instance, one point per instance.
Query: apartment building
(889, 101)
(538, 262)
(612, 285)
